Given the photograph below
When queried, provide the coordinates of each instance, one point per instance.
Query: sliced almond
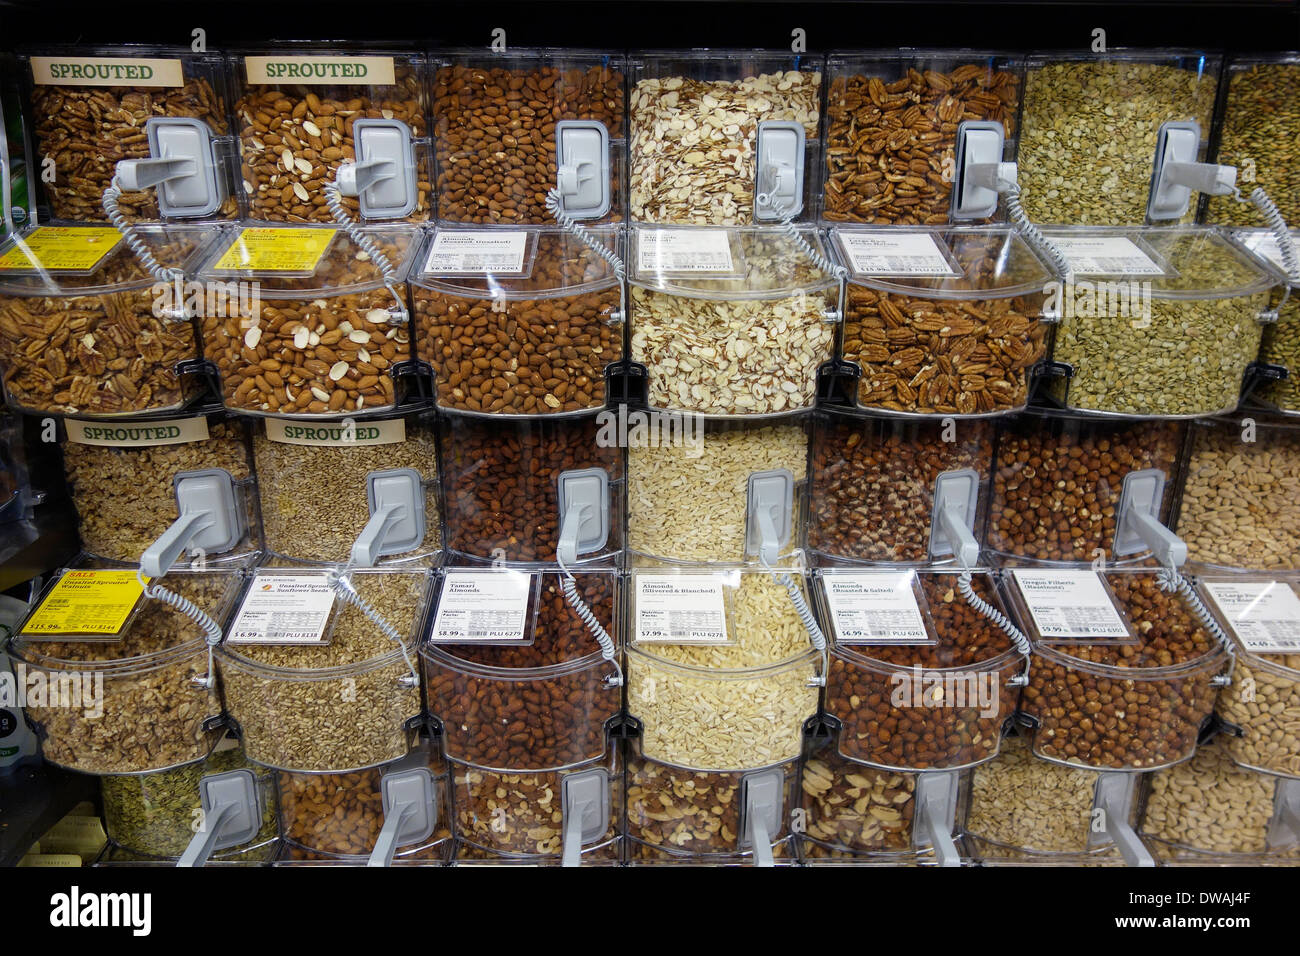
(301, 337)
(300, 192)
(311, 128)
(303, 166)
(252, 337)
(360, 336)
(338, 370)
(320, 394)
(377, 316)
(286, 157)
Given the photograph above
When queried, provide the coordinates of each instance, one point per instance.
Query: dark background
(612, 25)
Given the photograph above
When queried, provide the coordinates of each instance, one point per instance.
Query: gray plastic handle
(1139, 524)
(410, 812)
(210, 518)
(1114, 797)
(397, 520)
(232, 814)
(383, 176)
(586, 808)
(182, 162)
(956, 494)
(778, 187)
(1175, 173)
(761, 805)
(582, 174)
(770, 503)
(980, 146)
(936, 805)
(583, 498)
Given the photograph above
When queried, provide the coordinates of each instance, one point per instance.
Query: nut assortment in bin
(537, 706)
(535, 341)
(312, 483)
(871, 496)
(295, 107)
(743, 336)
(965, 343)
(937, 706)
(157, 814)
(90, 339)
(323, 337)
(337, 817)
(146, 703)
(494, 128)
(688, 491)
(89, 107)
(340, 706)
(121, 478)
(1058, 481)
(1117, 705)
(500, 480)
(1167, 328)
(891, 129)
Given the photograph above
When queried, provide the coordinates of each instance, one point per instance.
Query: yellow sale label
(86, 602)
(61, 247)
(276, 250)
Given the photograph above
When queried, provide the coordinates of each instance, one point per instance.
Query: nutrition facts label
(680, 609)
(489, 607)
(1071, 604)
(472, 252)
(905, 254)
(1265, 615)
(875, 607)
(1106, 255)
(284, 609)
(684, 250)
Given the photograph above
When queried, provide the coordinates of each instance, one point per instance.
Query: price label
(1265, 615)
(61, 248)
(284, 609)
(680, 609)
(901, 254)
(473, 252)
(1264, 245)
(276, 250)
(86, 603)
(1106, 255)
(875, 607)
(685, 250)
(487, 607)
(1070, 604)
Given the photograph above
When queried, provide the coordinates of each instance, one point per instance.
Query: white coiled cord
(1032, 234)
(1171, 580)
(211, 629)
(967, 591)
(133, 241)
(569, 587)
(344, 589)
(334, 201)
(555, 206)
(1277, 225)
(787, 225)
(815, 633)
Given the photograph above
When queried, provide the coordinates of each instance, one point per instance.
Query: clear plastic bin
(539, 706)
(965, 344)
(1089, 125)
(744, 339)
(688, 497)
(121, 479)
(312, 483)
(294, 110)
(727, 707)
(338, 707)
(521, 813)
(891, 129)
(1114, 705)
(1174, 343)
(1210, 810)
(321, 344)
(1281, 345)
(1020, 809)
(336, 817)
(1263, 700)
(89, 107)
(158, 814)
(499, 484)
(937, 706)
(537, 343)
(95, 342)
(871, 496)
(494, 119)
(144, 704)
(1239, 504)
(1258, 126)
(678, 815)
(1057, 482)
(694, 120)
